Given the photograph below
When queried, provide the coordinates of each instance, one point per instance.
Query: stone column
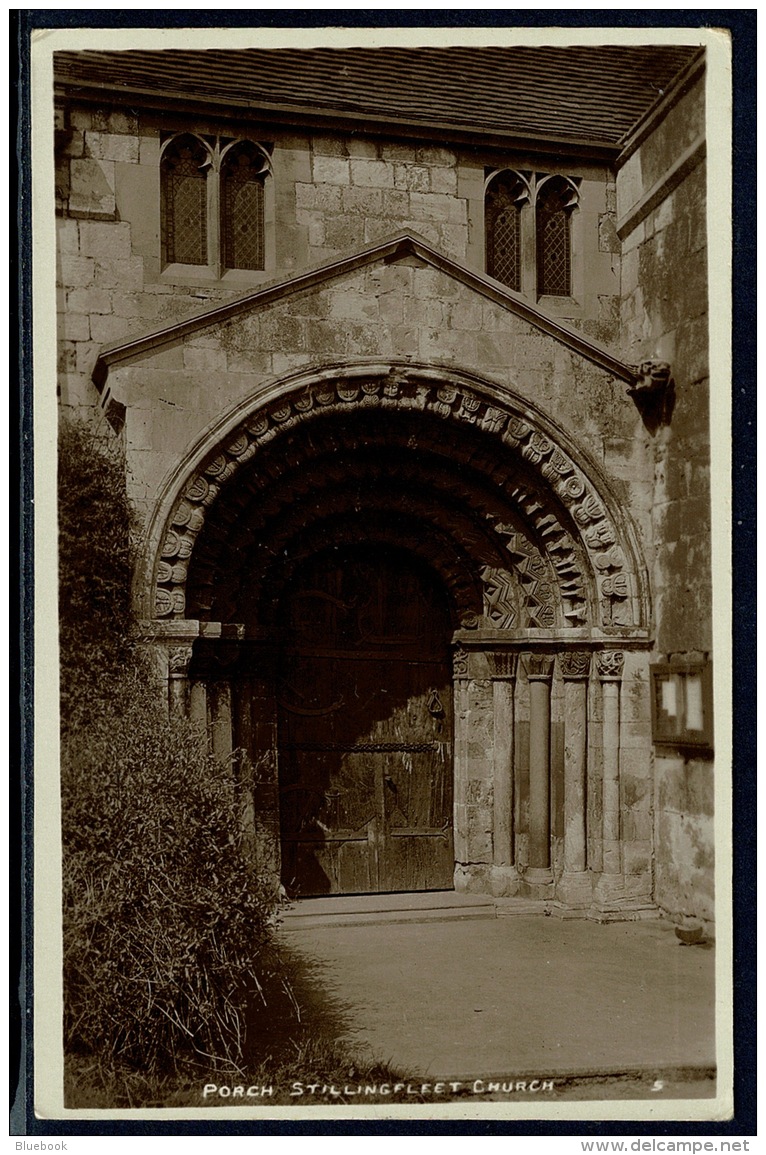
(539, 668)
(575, 885)
(609, 664)
(504, 876)
(179, 658)
(460, 715)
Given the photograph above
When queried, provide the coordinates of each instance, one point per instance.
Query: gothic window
(214, 205)
(184, 201)
(505, 196)
(242, 216)
(556, 198)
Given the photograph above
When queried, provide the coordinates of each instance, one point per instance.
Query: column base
(620, 899)
(504, 881)
(537, 882)
(575, 889)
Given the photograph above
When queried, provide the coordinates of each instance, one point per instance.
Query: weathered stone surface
(92, 187)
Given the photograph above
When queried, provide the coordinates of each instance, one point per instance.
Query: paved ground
(526, 995)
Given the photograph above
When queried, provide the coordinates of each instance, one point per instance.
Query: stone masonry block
(637, 857)
(68, 237)
(344, 232)
(444, 180)
(67, 358)
(429, 282)
(362, 200)
(76, 272)
(89, 301)
(362, 148)
(328, 145)
(404, 153)
(121, 122)
(92, 187)
(636, 762)
(465, 314)
(372, 173)
(81, 119)
(352, 306)
(330, 170)
(436, 156)
(87, 353)
(110, 146)
(149, 151)
(437, 207)
(204, 359)
(326, 198)
(74, 327)
(105, 328)
(637, 825)
(127, 275)
(416, 178)
(110, 239)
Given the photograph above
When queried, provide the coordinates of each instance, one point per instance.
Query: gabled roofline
(399, 246)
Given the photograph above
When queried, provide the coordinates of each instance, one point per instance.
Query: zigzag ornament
(500, 608)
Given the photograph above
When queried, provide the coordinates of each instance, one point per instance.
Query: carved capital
(609, 664)
(575, 665)
(538, 667)
(503, 666)
(178, 661)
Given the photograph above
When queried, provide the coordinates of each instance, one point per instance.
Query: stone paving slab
(371, 909)
(469, 999)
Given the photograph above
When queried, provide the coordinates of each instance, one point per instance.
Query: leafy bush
(165, 921)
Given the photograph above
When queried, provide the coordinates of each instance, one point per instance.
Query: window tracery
(528, 231)
(213, 203)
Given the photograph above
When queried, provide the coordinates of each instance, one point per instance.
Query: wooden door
(365, 727)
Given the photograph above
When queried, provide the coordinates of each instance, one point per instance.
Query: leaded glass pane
(503, 229)
(242, 209)
(184, 203)
(554, 247)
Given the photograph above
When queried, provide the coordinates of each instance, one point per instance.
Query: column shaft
(539, 773)
(503, 773)
(575, 748)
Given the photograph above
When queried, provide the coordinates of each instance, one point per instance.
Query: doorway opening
(364, 725)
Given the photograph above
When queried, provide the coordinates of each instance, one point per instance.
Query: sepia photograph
(383, 751)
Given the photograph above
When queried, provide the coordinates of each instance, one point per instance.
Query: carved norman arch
(577, 533)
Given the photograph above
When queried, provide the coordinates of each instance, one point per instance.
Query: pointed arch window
(214, 206)
(506, 194)
(184, 201)
(556, 198)
(243, 172)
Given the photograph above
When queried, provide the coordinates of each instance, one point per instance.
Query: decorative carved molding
(503, 665)
(178, 661)
(575, 665)
(609, 664)
(414, 389)
(500, 604)
(460, 662)
(538, 667)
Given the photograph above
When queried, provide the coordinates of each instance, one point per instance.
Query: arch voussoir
(578, 527)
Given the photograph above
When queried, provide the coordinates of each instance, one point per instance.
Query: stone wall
(662, 221)
(332, 194)
(401, 310)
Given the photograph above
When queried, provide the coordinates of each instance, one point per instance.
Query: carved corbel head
(653, 392)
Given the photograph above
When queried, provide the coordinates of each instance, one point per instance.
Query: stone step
(374, 909)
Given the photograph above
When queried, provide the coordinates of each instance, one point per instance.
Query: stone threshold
(374, 909)
(439, 906)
